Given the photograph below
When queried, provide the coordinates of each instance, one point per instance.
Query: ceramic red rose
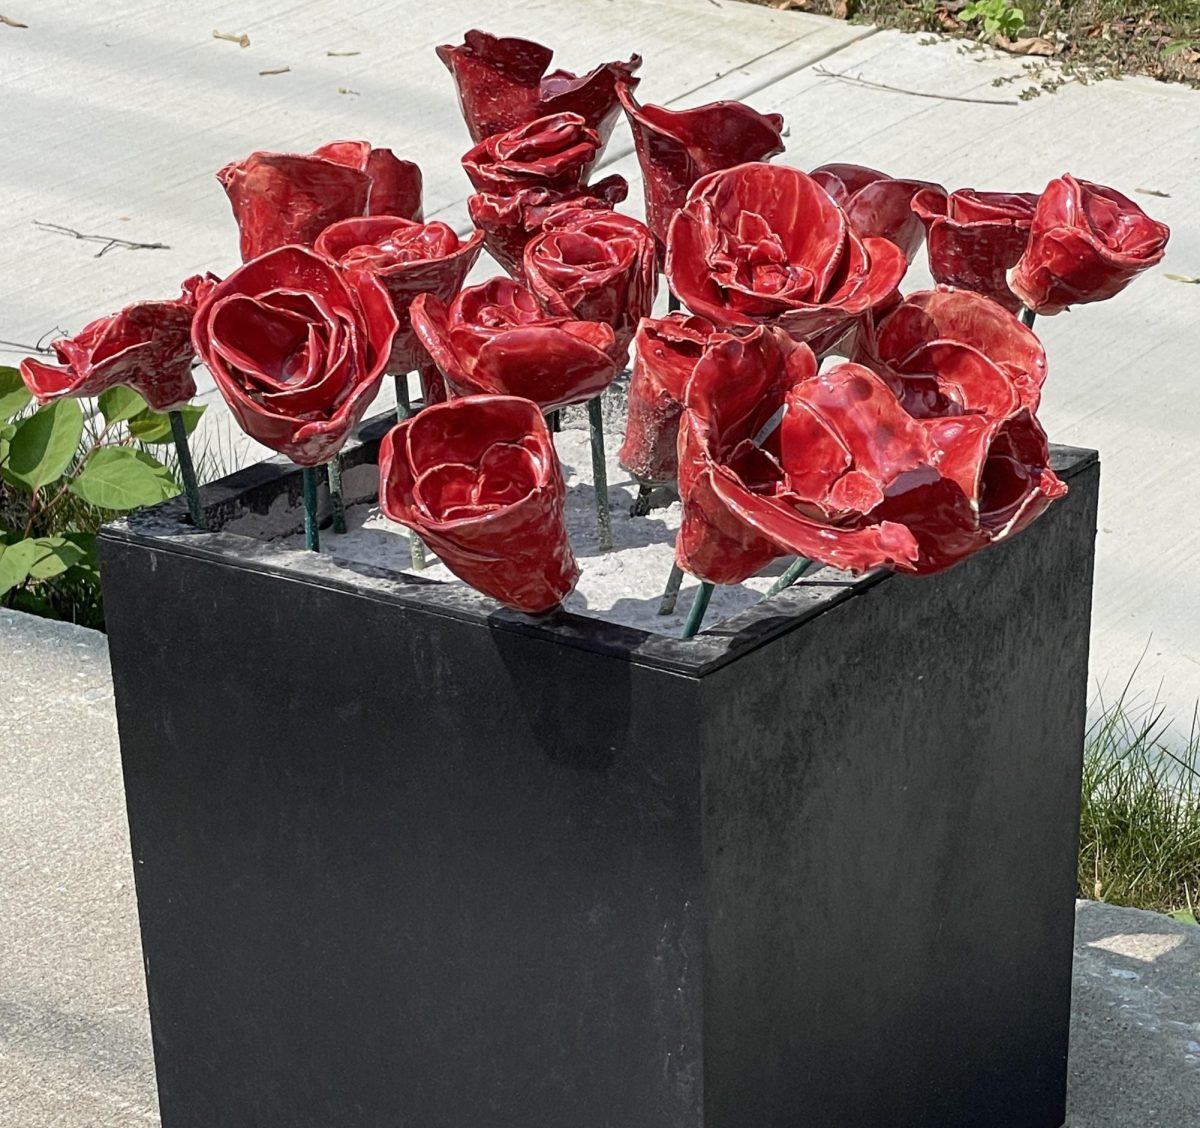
(497, 339)
(595, 266)
(147, 346)
(297, 347)
(551, 152)
(479, 480)
(408, 259)
(974, 238)
(876, 204)
(1086, 244)
(766, 243)
(281, 198)
(503, 83)
(848, 477)
(509, 222)
(675, 148)
(665, 351)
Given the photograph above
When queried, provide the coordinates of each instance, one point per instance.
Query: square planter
(406, 859)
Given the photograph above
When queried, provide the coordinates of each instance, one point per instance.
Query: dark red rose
(497, 339)
(675, 148)
(146, 347)
(766, 243)
(876, 204)
(1086, 244)
(297, 346)
(282, 198)
(848, 477)
(975, 237)
(665, 351)
(503, 83)
(409, 259)
(595, 266)
(551, 152)
(509, 222)
(479, 480)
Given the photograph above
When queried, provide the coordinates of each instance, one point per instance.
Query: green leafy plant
(995, 17)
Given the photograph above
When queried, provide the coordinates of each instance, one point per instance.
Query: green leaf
(1184, 916)
(13, 393)
(15, 562)
(120, 403)
(7, 430)
(155, 427)
(44, 444)
(56, 555)
(120, 478)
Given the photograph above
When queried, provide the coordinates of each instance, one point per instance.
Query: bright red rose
(552, 152)
(479, 480)
(282, 198)
(497, 339)
(675, 148)
(297, 347)
(1086, 244)
(409, 259)
(766, 243)
(975, 237)
(503, 83)
(146, 347)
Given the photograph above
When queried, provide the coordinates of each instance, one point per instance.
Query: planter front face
(406, 859)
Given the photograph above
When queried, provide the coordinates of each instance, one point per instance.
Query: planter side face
(400, 869)
(891, 859)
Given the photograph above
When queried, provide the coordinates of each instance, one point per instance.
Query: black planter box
(407, 860)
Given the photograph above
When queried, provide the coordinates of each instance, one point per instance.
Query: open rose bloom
(551, 152)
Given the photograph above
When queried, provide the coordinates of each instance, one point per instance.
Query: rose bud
(1086, 244)
(281, 198)
(509, 222)
(478, 479)
(876, 204)
(297, 347)
(665, 351)
(595, 266)
(552, 152)
(408, 259)
(502, 83)
(497, 339)
(975, 237)
(146, 347)
(675, 148)
(764, 242)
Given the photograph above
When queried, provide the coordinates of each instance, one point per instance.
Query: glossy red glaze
(478, 478)
(408, 259)
(675, 148)
(848, 477)
(876, 204)
(975, 238)
(595, 266)
(1086, 244)
(283, 198)
(147, 346)
(509, 222)
(665, 351)
(551, 152)
(503, 83)
(297, 347)
(766, 243)
(497, 339)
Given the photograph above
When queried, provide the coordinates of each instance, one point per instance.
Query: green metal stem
(1028, 317)
(403, 402)
(696, 612)
(641, 505)
(187, 469)
(794, 571)
(334, 472)
(673, 303)
(600, 474)
(312, 538)
(671, 591)
(554, 419)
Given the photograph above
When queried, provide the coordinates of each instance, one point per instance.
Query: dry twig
(276, 70)
(241, 40)
(858, 80)
(8, 21)
(111, 242)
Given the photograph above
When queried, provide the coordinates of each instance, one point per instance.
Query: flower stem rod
(187, 469)
(673, 303)
(671, 591)
(416, 549)
(641, 506)
(600, 474)
(794, 571)
(334, 471)
(312, 538)
(696, 612)
(1028, 317)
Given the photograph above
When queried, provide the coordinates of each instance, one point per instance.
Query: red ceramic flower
(665, 351)
(550, 152)
(496, 338)
(409, 259)
(675, 148)
(764, 242)
(975, 237)
(146, 347)
(297, 346)
(848, 477)
(876, 204)
(281, 198)
(479, 480)
(595, 266)
(503, 83)
(1087, 243)
(509, 222)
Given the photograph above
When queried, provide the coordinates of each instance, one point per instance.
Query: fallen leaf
(1187, 279)
(946, 20)
(789, 5)
(345, 90)
(342, 54)
(240, 40)
(9, 22)
(1032, 46)
(840, 9)
(1154, 192)
(276, 70)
